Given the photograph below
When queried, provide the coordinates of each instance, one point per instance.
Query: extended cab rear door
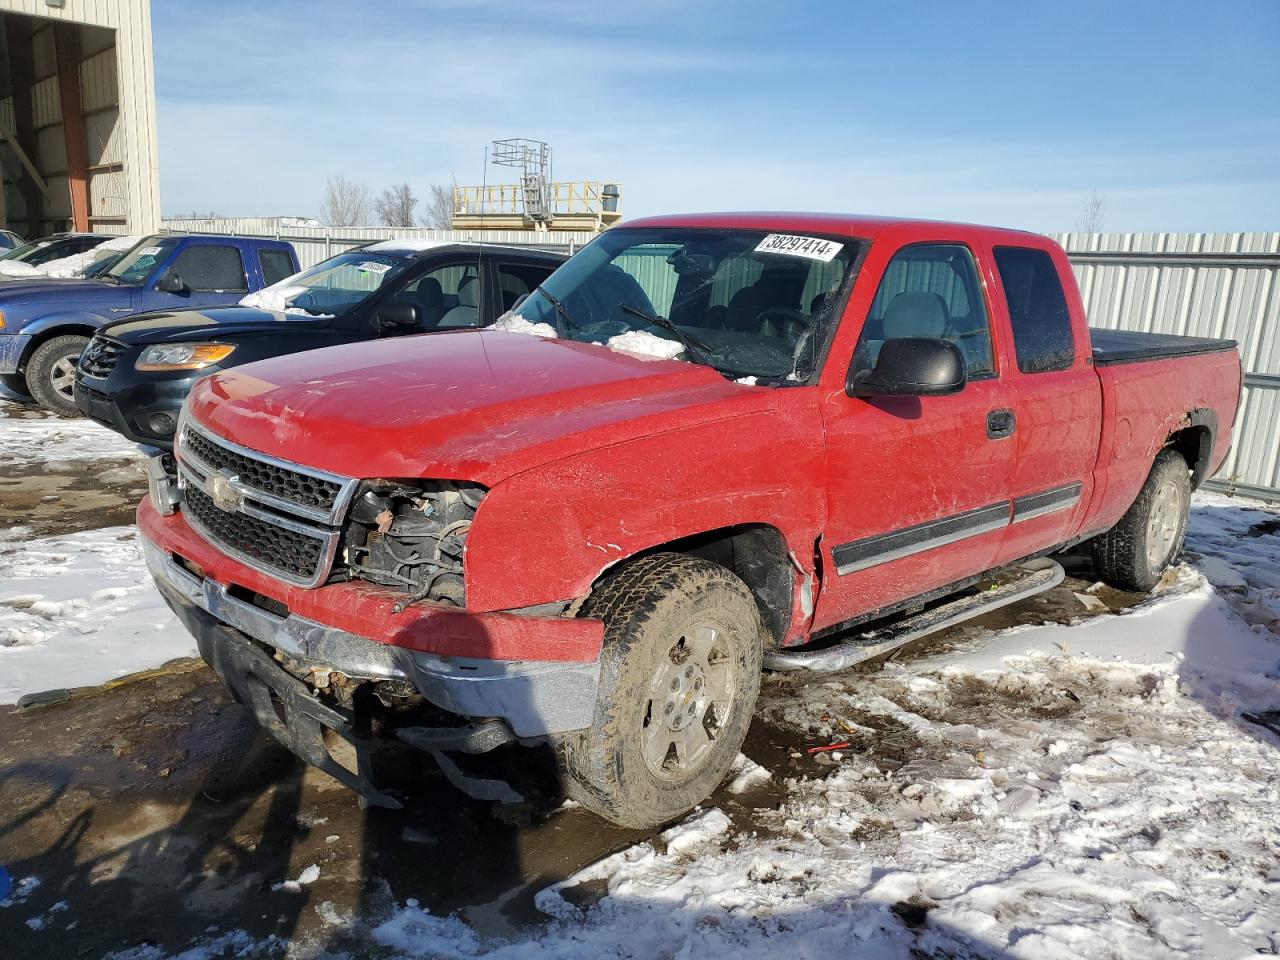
(1055, 394)
(917, 487)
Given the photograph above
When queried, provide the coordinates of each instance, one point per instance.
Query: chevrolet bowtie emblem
(222, 491)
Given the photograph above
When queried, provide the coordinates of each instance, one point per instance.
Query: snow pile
(44, 438)
(642, 343)
(514, 323)
(408, 243)
(78, 610)
(66, 267)
(637, 343)
(275, 297)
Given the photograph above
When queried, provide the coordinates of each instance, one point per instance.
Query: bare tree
(346, 203)
(439, 212)
(395, 205)
(1093, 215)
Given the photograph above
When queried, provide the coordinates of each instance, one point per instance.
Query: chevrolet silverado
(704, 446)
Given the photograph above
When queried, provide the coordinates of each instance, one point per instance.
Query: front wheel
(679, 676)
(51, 373)
(1135, 552)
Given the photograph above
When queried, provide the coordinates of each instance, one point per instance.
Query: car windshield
(103, 264)
(749, 303)
(25, 250)
(335, 286)
(136, 265)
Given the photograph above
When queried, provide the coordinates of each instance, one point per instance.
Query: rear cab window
(1042, 337)
(275, 265)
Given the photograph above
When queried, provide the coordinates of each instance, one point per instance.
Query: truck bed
(1128, 346)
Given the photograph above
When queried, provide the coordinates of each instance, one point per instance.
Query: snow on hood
(278, 297)
(514, 323)
(409, 243)
(637, 343)
(66, 267)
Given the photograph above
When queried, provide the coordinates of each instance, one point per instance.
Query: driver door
(214, 275)
(918, 487)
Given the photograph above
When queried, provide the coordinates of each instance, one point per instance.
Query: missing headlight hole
(412, 536)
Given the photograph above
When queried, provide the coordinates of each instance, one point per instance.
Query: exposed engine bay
(412, 537)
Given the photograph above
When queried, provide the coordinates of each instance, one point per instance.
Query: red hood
(469, 405)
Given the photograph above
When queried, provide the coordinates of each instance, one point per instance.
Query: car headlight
(182, 356)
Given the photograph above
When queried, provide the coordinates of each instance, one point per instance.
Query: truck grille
(317, 494)
(278, 517)
(295, 557)
(101, 356)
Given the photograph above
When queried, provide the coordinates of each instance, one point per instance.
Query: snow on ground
(78, 610)
(40, 437)
(1092, 790)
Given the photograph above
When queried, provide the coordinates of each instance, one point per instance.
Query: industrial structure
(537, 202)
(77, 117)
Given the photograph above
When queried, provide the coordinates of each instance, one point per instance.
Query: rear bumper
(534, 697)
(12, 347)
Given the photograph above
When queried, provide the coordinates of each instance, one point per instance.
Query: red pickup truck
(730, 441)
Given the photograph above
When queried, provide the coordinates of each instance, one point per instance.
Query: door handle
(1000, 424)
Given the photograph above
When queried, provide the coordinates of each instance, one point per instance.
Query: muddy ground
(154, 809)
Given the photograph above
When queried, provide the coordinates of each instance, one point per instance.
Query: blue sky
(998, 112)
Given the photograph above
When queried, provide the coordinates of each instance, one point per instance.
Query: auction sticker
(370, 266)
(811, 248)
(148, 251)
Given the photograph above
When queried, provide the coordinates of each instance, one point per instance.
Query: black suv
(135, 374)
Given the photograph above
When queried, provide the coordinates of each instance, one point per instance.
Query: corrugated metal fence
(1201, 284)
(1206, 285)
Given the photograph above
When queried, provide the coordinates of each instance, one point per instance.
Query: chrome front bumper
(535, 698)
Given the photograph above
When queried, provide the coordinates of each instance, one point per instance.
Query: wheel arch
(47, 328)
(1194, 440)
(757, 553)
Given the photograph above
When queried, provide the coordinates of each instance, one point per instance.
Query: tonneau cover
(1130, 346)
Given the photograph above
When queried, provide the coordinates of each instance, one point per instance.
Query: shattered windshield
(749, 303)
(333, 287)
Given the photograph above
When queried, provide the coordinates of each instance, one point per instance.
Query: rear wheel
(679, 675)
(1135, 552)
(51, 373)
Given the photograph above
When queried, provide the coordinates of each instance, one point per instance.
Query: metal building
(77, 117)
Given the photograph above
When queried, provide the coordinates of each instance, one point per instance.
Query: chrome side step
(1019, 583)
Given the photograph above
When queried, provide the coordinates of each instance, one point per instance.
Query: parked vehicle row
(871, 429)
(45, 324)
(136, 373)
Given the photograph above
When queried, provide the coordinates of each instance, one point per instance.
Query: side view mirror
(911, 367)
(395, 317)
(172, 283)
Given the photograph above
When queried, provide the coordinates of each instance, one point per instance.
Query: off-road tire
(1130, 554)
(645, 607)
(40, 370)
(16, 383)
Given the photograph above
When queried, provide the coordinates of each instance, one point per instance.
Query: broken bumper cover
(534, 697)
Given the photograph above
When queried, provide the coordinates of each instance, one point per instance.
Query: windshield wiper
(562, 312)
(691, 343)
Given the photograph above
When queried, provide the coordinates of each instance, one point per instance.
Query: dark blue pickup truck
(45, 324)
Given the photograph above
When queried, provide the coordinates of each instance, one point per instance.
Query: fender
(52, 324)
(547, 534)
